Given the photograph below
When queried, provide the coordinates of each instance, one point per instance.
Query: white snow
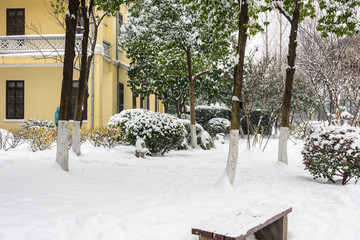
(111, 194)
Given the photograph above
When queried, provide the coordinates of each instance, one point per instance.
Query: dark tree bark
(62, 151)
(289, 81)
(84, 68)
(237, 93)
(192, 98)
(66, 89)
(290, 70)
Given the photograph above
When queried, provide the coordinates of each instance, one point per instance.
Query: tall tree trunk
(290, 72)
(62, 154)
(237, 94)
(83, 74)
(192, 99)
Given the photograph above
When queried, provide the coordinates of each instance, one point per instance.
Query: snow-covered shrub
(161, 132)
(40, 138)
(204, 113)
(31, 123)
(202, 136)
(218, 125)
(11, 139)
(119, 120)
(302, 130)
(333, 151)
(84, 133)
(107, 137)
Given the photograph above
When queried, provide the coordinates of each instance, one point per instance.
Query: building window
(15, 21)
(148, 103)
(120, 97)
(141, 101)
(14, 99)
(134, 100)
(73, 102)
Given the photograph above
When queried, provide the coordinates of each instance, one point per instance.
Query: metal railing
(36, 43)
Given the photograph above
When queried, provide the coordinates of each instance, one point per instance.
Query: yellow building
(31, 43)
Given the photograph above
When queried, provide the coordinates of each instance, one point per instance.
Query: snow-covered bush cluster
(33, 123)
(205, 113)
(333, 151)
(218, 125)
(40, 138)
(107, 137)
(10, 139)
(161, 132)
(204, 139)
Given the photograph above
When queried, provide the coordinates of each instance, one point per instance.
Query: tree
(170, 41)
(66, 89)
(65, 105)
(294, 11)
(243, 21)
(331, 66)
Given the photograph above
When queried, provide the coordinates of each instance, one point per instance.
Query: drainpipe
(92, 84)
(117, 63)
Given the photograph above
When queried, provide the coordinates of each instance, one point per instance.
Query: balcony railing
(35, 43)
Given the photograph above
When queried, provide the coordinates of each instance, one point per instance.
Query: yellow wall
(42, 77)
(41, 91)
(36, 14)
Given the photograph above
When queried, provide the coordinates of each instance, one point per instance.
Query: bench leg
(275, 231)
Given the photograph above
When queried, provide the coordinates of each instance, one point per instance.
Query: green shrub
(333, 151)
(204, 113)
(218, 125)
(161, 132)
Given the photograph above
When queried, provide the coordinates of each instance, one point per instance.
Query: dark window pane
(14, 99)
(15, 21)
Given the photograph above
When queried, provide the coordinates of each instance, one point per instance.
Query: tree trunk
(237, 94)
(83, 73)
(290, 72)
(66, 89)
(192, 100)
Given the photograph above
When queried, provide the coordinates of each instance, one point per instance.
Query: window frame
(8, 23)
(15, 104)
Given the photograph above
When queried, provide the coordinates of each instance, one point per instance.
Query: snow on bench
(266, 221)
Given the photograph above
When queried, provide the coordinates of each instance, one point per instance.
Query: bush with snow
(203, 137)
(40, 138)
(218, 125)
(205, 113)
(119, 120)
(107, 137)
(33, 123)
(11, 139)
(333, 151)
(161, 132)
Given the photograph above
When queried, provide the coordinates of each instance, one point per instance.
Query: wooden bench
(240, 224)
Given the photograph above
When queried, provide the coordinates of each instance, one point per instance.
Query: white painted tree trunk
(193, 136)
(62, 151)
(76, 138)
(233, 155)
(282, 151)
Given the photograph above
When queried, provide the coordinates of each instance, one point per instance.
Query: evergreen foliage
(333, 151)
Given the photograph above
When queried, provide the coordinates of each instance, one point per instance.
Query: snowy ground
(110, 194)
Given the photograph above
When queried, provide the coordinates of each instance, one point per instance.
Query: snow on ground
(111, 194)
